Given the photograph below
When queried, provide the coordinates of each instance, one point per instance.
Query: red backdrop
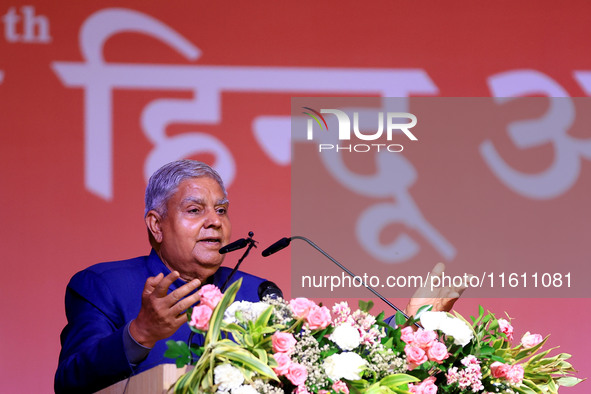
(93, 97)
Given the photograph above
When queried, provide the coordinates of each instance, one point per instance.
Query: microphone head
(276, 247)
(270, 289)
(239, 244)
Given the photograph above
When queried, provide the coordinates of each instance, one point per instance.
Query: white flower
(452, 326)
(249, 310)
(458, 329)
(346, 365)
(244, 389)
(346, 336)
(227, 377)
(432, 320)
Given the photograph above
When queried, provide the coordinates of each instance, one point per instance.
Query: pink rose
(427, 386)
(200, 317)
(414, 355)
(323, 392)
(284, 362)
(506, 328)
(499, 370)
(530, 340)
(340, 387)
(407, 335)
(437, 352)
(424, 338)
(319, 317)
(301, 306)
(515, 374)
(283, 342)
(297, 374)
(210, 296)
(301, 390)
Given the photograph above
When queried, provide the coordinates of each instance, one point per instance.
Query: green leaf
(399, 319)
(365, 306)
(497, 358)
(423, 309)
(532, 386)
(568, 381)
(380, 317)
(377, 390)
(261, 354)
(268, 330)
(523, 390)
(178, 350)
(397, 380)
(328, 353)
(486, 350)
(197, 350)
(248, 340)
(217, 316)
(388, 343)
(233, 327)
(401, 390)
(248, 360)
(264, 318)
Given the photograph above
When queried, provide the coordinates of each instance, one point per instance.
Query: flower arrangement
(300, 347)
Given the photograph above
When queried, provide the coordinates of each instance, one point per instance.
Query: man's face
(195, 227)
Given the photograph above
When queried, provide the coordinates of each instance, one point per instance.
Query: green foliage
(180, 351)
(399, 319)
(365, 306)
(249, 351)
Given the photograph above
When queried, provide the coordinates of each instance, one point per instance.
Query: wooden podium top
(153, 381)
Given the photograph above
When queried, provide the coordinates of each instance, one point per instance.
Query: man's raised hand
(162, 313)
(442, 298)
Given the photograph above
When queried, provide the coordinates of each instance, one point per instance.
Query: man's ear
(154, 224)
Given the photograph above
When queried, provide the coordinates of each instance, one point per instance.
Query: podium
(157, 380)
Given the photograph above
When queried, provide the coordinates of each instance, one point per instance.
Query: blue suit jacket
(100, 301)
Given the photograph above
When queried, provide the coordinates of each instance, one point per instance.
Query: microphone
(268, 288)
(238, 244)
(284, 242)
(277, 246)
(241, 243)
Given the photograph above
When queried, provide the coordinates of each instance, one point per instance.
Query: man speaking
(119, 312)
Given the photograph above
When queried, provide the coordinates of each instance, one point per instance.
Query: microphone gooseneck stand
(251, 243)
(284, 242)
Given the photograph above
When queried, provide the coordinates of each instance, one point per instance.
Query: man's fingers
(162, 288)
(466, 284)
(182, 291)
(180, 319)
(152, 282)
(438, 269)
(185, 304)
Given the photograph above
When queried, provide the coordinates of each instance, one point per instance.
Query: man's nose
(212, 220)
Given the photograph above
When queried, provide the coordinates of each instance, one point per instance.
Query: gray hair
(166, 180)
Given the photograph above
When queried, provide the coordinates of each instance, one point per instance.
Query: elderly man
(119, 312)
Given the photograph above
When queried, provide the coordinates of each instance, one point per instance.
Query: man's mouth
(212, 241)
